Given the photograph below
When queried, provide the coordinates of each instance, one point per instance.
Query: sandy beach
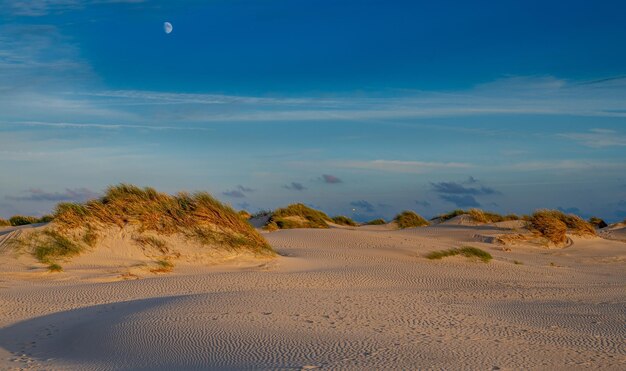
(339, 298)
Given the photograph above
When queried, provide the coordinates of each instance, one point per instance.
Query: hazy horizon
(357, 108)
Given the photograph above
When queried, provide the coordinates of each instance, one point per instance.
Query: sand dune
(338, 298)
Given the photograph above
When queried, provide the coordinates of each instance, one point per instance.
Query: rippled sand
(337, 299)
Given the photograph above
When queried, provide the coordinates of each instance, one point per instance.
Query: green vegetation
(55, 268)
(450, 215)
(479, 216)
(151, 241)
(18, 220)
(163, 266)
(51, 246)
(597, 222)
(344, 220)
(376, 222)
(297, 216)
(409, 219)
(467, 251)
(553, 225)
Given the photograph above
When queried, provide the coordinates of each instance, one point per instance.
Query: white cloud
(401, 166)
(598, 138)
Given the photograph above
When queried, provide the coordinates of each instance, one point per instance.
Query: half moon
(167, 27)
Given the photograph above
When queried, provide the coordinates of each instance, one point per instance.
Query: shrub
(376, 222)
(597, 222)
(297, 216)
(344, 220)
(409, 219)
(18, 220)
(467, 251)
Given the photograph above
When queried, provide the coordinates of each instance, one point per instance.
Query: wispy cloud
(461, 200)
(235, 193)
(295, 186)
(38, 8)
(37, 194)
(330, 179)
(459, 189)
(598, 138)
(402, 166)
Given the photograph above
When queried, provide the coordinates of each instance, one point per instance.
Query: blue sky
(362, 108)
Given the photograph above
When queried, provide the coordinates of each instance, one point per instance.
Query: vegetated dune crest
(134, 231)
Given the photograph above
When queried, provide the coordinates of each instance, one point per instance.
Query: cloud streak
(75, 195)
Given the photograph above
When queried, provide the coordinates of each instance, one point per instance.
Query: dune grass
(597, 222)
(466, 251)
(163, 266)
(344, 220)
(297, 216)
(379, 221)
(479, 216)
(409, 219)
(554, 225)
(197, 217)
(244, 214)
(4, 223)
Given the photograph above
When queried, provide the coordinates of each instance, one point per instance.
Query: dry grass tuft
(409, 219)
(450, 215)
(163, 266)
(550, 226)
(297, 216)
(466, 251)
(598, 222)
(554, 224)
(4, 223)
(344, 220)
(244, 214)
(377, 222)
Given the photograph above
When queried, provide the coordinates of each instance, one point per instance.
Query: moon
(167, 27)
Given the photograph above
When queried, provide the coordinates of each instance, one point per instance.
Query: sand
(340, 298)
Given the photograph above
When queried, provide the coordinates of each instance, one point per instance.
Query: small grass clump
(409, 219)
(55, 268)
(466, 251)
(244, 214)
(163, 266)
(379, 221)
(151, 241)
(344, 220)
(549, 226)
(4, 223)
(517, 262)
(450, 215)
(51, 246)
(554, 224)
(297, 216)
(18, 220)
(598, 222)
